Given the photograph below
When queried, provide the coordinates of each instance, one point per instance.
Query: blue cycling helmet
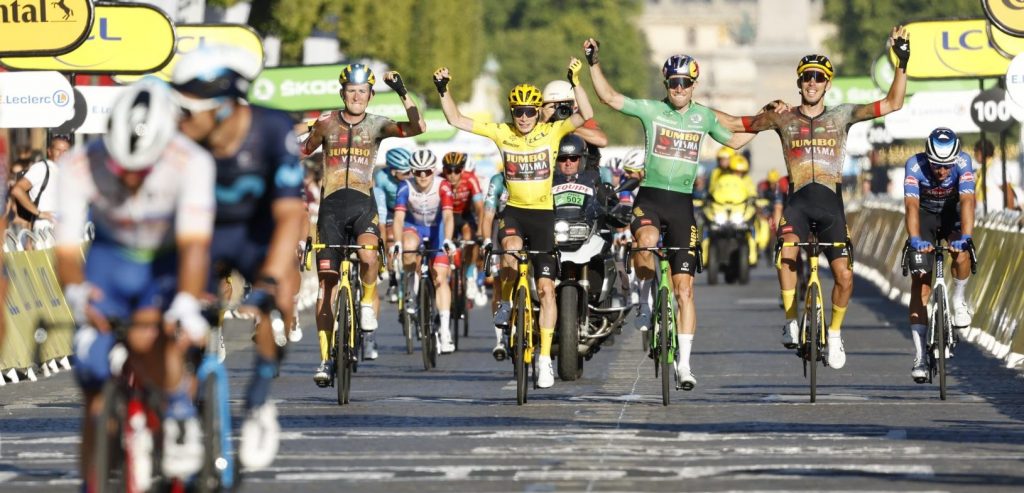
(942, 146)
(683, 65)
(398, 159)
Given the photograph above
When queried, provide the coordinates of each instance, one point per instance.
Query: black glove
(442, 85)
(901, 48)
(397, 84)
(605, 195)
(591, 53)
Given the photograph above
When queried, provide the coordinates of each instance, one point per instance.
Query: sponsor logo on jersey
(676, 144)
(528, 166)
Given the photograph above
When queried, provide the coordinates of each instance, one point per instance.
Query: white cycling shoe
(183, 448)
(919, 372)
(261, 435)
(447, 346)
(684, 378)
(836, 357)
(962, 313)
(791, 335)
(545, 372)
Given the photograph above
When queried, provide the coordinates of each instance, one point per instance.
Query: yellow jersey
(527, 161)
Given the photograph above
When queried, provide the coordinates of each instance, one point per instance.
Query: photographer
(559, 104)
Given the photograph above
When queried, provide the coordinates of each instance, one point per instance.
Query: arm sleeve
(382, 203)
(74, 187)
(911, 188)
(196, 202)
(402, 197)
(486, 129)
(35, 175)
(447, 198)
(966, 169)
(634, 107)
(716, 130)
(494, 191)
(475, 190)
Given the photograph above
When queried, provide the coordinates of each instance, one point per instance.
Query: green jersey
(673, 141)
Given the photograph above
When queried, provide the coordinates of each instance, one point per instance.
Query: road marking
(7, 476)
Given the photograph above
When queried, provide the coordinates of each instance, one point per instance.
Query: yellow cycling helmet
(356, 73)
(739, 164)
(817, 62)
(525, 95)
(773, 175)
(726, 153)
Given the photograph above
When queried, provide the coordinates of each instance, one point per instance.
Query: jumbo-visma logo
(43, 27)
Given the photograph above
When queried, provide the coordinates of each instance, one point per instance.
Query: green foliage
(864, 26)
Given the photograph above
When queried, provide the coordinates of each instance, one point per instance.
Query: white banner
(35, 100)
(98, 101)
(929, 109)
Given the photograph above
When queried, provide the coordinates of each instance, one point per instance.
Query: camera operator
(559, 104)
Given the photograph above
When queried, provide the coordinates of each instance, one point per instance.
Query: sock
(646, 295)
(917, 333)
(324, 344)
(546, 335)
(958, 290)
(445, 317)
(259, 386)
(789, 303)
(369, 293)
(838, 312)
(498, 335)
(685, 342)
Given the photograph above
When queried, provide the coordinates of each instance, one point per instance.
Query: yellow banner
(1006, 44)
(952, 49)
(1008, 15)
(43, 27)
(126, 38)
(194, 36)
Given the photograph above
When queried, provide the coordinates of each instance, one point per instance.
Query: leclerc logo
(61, 98)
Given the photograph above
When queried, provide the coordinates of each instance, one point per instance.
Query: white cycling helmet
(633, 161)
(142, 122)
(215, 72)
(558, 90)
(423, 159)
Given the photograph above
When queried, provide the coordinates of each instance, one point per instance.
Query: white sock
(685, 342)
(498, 335)
(958, 289)
(445, 317)
(918, 333)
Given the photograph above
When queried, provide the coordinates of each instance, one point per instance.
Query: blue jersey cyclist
(423, 213)
(385, 192)
(938, 194)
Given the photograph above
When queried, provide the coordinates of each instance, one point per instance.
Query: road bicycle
(460, 303)
(405, 317)
(426, 309)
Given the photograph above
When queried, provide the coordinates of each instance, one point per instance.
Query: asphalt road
(746, 427)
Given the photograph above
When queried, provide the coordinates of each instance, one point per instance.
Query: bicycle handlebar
(970, 252)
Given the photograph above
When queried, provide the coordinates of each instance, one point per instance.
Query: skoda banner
(315, 87)
(43, 27)
(1007, 14)
(191, 37)
(35, 99)
(126, 38)
(953, 49)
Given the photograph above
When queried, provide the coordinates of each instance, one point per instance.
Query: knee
(546, 290)
(684, 292)
(844, 278)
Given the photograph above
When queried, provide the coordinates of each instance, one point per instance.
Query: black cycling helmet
(572, 145)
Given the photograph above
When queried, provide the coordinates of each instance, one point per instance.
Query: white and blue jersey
(424, 210)
(935, 194)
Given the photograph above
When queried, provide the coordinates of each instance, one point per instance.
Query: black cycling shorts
(944, 224)
(537, 229)
(818, 206)
(673, 213)
(461, 220)
(344, 215)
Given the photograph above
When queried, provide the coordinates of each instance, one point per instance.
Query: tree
(864, 25)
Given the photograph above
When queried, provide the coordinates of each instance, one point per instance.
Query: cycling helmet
(818, 62)
(634, 161)
(683, 65)
(215, 72)
(942, 146)
(773, 175)
(739, 164)
(726, 153)
(558, 90)
(572, 145)
(142, 122)
(525, 95)
(422, 159)
(455, 159)
(356, 73)
(398, 159)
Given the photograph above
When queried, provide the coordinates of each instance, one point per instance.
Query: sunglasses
(423, 172)
(527, 111)
(573, 159)
(942, 165)
(816, 76)
(677, 82)
(451, 171)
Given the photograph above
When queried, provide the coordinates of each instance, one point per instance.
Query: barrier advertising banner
(316, 87)
(194, 36)
(35, 99)
(951, 49)
(1008, 15)
(43, 27)
(98, 101)
(127, 38)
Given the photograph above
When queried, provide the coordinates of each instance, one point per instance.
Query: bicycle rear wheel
(427, 340)
(663, 346)
(519, 333)
(107, 448)
(939, 322)
(343, 364)
(458, 304)
(210, 475)
(813, 327)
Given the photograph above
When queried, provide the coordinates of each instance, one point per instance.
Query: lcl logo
(973, 39)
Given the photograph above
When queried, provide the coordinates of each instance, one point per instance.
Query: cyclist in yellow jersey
(528, 150)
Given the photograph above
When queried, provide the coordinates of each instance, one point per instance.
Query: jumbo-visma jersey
(527, 161)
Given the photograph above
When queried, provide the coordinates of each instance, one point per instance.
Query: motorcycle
(591, 302)
(729, 244)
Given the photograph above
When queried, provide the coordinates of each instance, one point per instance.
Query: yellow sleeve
(487, 129)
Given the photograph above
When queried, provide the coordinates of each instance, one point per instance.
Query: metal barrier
(878, 228)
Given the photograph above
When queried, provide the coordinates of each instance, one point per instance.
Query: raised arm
(586, 111)
(605, 92)
(415, 125)
(451, 110)
(899, 43)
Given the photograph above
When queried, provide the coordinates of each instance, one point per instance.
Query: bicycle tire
(939, 323)
(519, 333)
(407, 331)
(458, 305)
(663, 347)
(342, 351)
(209, 476)
(814, 341)
(427, 339)
(568, 335)
(107, 451)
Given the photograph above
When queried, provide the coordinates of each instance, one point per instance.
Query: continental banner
(43, 27)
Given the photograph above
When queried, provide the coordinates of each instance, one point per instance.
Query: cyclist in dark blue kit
(260, 214)
(938, 193)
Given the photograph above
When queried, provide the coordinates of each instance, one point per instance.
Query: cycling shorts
(461, 220)
(434, 236)
(344, 216)
(537, 229)
(817, 208)
(236, 246)
(671, 213)
(936, 226)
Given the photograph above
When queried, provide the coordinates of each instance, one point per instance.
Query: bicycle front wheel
(343, 350)
(210, 475)
(519, 333)
(428, 341)
(458, 304)
(813, 327)
(939, 323)
(663, 346)
(107, 451)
